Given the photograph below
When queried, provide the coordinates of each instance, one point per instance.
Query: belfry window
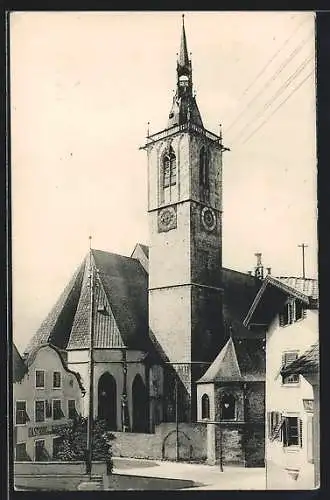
(169, 169)
(203, 168)
(228, 407)
(205, 406)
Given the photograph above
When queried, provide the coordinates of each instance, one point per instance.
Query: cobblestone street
(205, 476)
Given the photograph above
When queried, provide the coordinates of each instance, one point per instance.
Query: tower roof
(183, 55)
(239, 360)
(184, 107)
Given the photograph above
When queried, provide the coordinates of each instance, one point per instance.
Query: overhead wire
(271, 79)
(272, 58)
(277, 94)
(279, 106)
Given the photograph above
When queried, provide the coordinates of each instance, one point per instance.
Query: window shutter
(285, 432)
(269, 423)
(300, 431)
(291, 309)
(281, 319)
(48, 409)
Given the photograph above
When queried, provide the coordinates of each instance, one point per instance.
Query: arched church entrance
(107, 400)
(140, 405)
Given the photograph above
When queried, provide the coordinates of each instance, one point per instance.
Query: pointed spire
(183, 56)
(184, 107)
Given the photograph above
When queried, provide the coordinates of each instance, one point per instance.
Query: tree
(73, 442)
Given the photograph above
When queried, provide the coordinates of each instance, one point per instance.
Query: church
(152, 325)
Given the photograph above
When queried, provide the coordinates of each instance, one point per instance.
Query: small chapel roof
(239, 360)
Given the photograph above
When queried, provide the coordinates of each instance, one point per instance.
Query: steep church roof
(121, 317)
(238, 360)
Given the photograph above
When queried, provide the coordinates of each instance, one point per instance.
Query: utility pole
(303, 246)
(89, 451)
(124, 407)
(177, 418)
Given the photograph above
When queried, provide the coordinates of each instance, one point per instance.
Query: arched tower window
(169, 169)
(205, 406)
(203, 168)
(228, 407)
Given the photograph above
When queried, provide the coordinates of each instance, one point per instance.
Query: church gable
(106, 332)
(57, 325)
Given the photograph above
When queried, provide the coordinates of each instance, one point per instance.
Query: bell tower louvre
(185, 226)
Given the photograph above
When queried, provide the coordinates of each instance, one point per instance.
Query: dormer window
(292, 311)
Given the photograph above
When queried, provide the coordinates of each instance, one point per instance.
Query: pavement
(205, 477)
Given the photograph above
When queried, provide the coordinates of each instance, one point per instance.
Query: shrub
(73, 442)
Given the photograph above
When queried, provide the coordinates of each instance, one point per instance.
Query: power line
(272, 58)
(278, 107)
(271, 79)
(277, 94)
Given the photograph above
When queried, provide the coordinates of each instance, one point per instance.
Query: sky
(83, 87)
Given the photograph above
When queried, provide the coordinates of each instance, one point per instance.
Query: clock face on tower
(208, 219)
(167, 219)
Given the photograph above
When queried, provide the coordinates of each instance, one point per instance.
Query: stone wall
(254, 438)
(229, 444)
(64, 468)
(162, 444)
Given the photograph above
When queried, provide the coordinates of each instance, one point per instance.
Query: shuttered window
(56, 380)
(292, 311)
(287, 358)
(21, 415)
(292, 431)
(57, 409)
(40, 411)
(40, 379)
(72, 412)
(48, 409)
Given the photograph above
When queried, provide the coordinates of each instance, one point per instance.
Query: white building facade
(287, 308)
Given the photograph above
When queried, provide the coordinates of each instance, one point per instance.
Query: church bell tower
(185, 227)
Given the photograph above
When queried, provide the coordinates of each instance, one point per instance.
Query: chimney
(259, 269)
(250, 273)
(269, 270)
